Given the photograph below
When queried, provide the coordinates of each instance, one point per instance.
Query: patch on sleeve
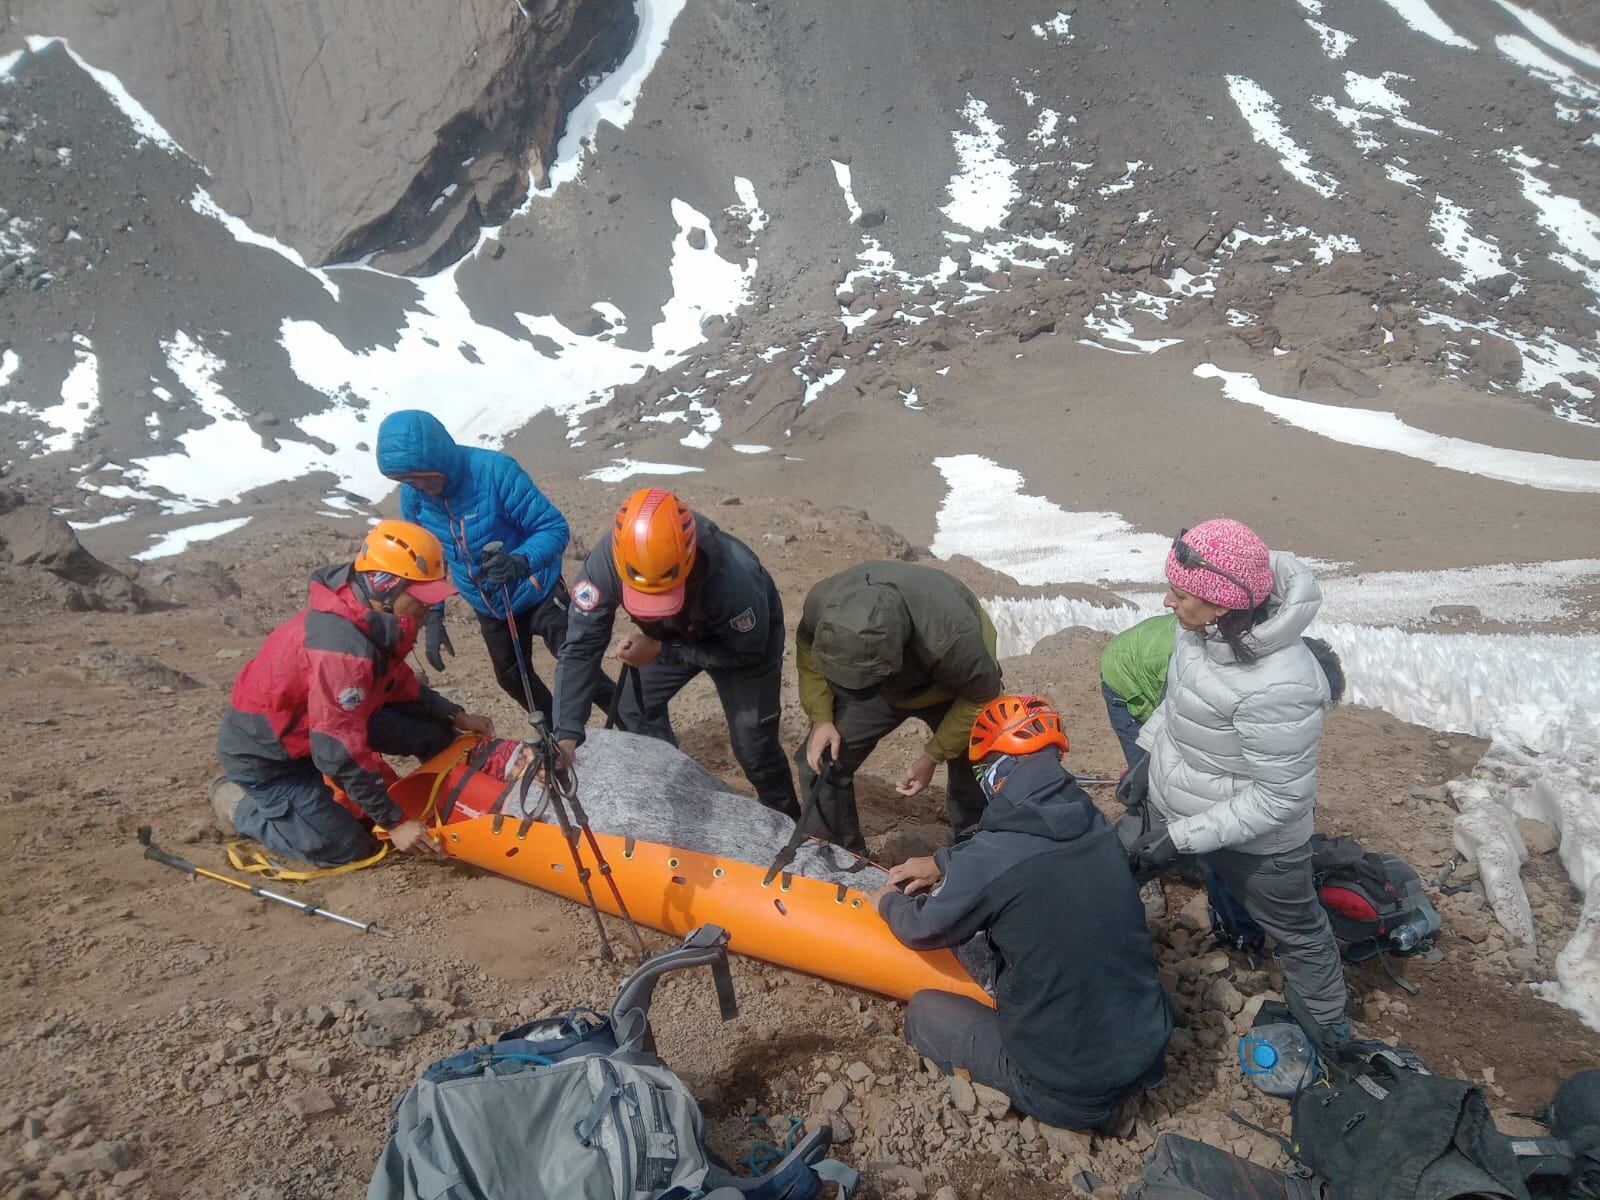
(351, 698)
(744, 622)
(586, 595)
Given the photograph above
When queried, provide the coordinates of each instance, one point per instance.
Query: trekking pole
(564, 794)
(156, 854)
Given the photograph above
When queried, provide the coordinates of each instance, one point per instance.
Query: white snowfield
(180, 540)
(1378, 430)
(1536, 695)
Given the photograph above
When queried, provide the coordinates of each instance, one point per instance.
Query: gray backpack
(580, 1108)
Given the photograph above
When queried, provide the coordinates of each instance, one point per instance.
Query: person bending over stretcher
(1081, 1021)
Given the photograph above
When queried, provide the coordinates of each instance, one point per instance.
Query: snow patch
(1478, 258)
(1551, 36)
(751, 448)
(1385, 431)
(1260, 112)
(622, 468)
(9, 362)
(987, 516)
(748, 208)
(1424, 20)
(1566, 219)
(203, 204)
(615, 97)
(1058, 27)
(1336, 43)
(179, 540)
(985, 189)
(80, 398)
(144, 124)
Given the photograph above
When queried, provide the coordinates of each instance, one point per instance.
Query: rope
(247, 857)
(763, 1156)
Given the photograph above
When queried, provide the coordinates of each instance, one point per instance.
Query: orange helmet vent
(403, 550)
(1016, 725)
(653, 542)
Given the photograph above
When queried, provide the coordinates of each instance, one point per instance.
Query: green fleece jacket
(1134, 664)
(912, 629)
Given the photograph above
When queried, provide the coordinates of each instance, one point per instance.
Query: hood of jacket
(1040, 797)
(412, 441)
(1291, 608)
(332, 591)
(861, 634)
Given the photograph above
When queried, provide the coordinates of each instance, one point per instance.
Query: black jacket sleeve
(958, 910)
(590, 616)
(736, 606)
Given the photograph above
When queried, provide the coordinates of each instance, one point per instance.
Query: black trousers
(751, 702)
(862, 724)
(547, 620)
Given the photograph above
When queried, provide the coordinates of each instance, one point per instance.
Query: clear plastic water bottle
(1277, 1058)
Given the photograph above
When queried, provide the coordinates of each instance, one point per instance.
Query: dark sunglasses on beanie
(1188, 556)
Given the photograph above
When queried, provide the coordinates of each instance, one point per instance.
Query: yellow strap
(244, 856)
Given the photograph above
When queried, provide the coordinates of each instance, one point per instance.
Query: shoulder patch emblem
(586, 595)
(351, 698)
(744, 622)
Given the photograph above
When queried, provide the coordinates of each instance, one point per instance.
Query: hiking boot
(225, 795)
(1153, 899)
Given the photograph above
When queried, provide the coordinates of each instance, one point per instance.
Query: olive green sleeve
(970, 671)
(816, 697)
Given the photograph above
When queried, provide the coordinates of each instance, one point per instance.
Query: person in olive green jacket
(1133, 678)
(878, 644)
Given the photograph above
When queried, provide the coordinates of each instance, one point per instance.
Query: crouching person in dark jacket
(1081, 1021)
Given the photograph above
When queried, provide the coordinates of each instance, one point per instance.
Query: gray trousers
(293, 813)
(958, 1032)
(1279, 892)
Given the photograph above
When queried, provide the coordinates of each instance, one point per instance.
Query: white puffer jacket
(1233, 747)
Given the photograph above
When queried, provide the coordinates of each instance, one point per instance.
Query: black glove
(1152, 853)
(499, 568)
(436, 639)
(1133, 789)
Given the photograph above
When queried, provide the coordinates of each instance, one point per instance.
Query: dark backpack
(1374, 901)
(1382, 1128)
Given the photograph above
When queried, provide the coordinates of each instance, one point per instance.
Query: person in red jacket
(328, 693)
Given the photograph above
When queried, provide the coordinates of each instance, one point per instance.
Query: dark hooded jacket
(732, 621)
(1081, 1006)
(487, 498)
(916, 631)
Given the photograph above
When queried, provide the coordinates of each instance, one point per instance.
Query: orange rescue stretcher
(809, 925)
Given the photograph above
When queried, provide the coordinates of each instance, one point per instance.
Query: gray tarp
(641, 787)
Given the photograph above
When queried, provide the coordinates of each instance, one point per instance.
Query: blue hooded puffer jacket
(487, 498)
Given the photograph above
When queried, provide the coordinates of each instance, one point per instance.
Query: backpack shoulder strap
(706, 946)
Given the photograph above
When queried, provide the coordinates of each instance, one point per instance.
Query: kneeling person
(329, 692)
(1082, 1021)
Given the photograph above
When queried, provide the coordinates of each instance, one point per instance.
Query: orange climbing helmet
(1016, 725)
(399, 556)
(653, 545)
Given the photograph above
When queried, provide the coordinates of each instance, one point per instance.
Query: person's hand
(1154, 852)
(824, 735)
(876, 898)
(473, 723)
(436, 638)
(500, 568)
(638, 650)
(412, 837)
(917, 777)
(566, 755)
(915, 875)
